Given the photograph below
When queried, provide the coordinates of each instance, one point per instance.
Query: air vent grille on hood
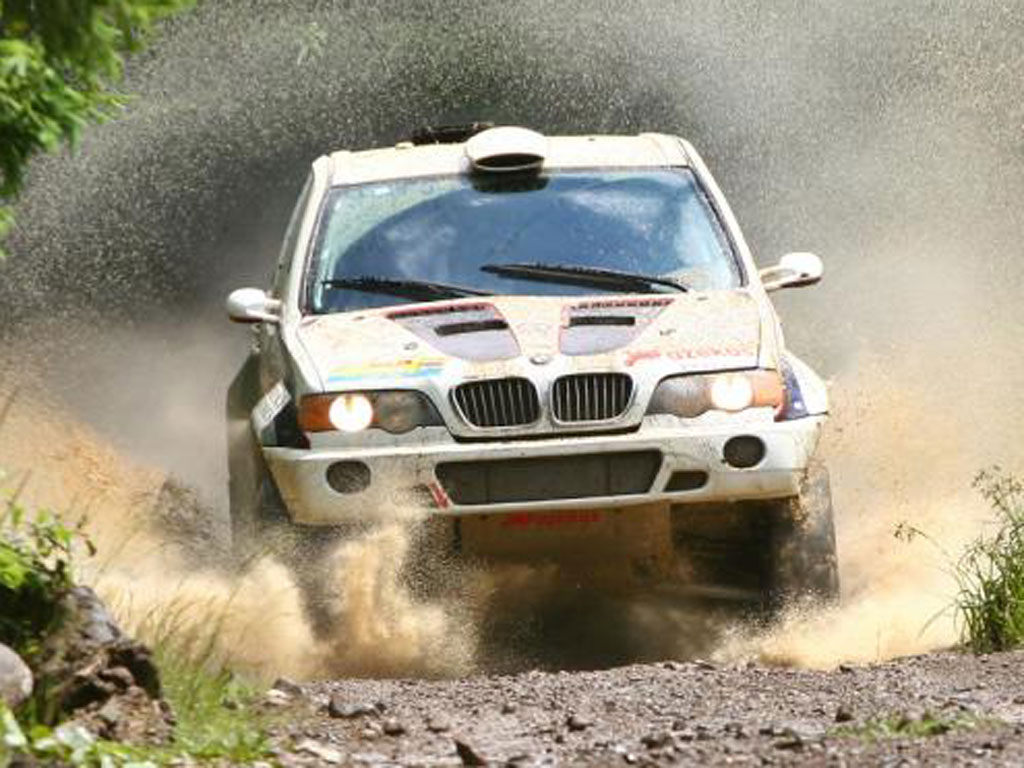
(595, 327)
(476, 332)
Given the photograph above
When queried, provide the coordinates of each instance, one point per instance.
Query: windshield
(454, 230)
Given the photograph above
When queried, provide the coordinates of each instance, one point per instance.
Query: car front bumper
(660, 462)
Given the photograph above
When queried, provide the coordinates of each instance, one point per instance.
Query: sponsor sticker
(269, 406)
(414, 368)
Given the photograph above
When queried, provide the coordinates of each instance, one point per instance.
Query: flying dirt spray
(883, 136)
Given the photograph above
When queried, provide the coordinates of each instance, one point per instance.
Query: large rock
(88, 670)
(15, 678)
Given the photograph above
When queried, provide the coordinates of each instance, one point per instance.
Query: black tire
(261, 526)
(250, 495)
(802, 563)
(260, 523)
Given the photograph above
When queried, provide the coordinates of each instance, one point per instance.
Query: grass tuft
(902, 726)
(989, 603)
(990, 574)
(214, 710)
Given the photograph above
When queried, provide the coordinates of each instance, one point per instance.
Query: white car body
(628, 457)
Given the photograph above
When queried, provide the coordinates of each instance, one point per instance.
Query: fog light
(348, 476)
(743, 452)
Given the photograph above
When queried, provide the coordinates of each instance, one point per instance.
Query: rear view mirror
(792, 271)
(252, 305)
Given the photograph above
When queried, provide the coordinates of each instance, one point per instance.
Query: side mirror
(252, 305)
(792, 271)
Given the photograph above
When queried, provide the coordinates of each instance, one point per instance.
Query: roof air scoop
(507, 150)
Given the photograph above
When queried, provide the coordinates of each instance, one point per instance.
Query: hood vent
(474, 332)
(601, 320)
(473, 326)
(596, 327)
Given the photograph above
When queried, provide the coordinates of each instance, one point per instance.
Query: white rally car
(556, 344)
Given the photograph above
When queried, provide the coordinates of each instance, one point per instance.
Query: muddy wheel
(247, 471)
(261, 526)
(255, 505)
(802, 563)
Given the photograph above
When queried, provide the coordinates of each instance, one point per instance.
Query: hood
(480, 338)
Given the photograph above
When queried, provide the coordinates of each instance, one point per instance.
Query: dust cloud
(167, 575)
(886, 136)
(894, 464)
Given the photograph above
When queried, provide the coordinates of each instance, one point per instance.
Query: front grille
(509, 481)
(591, 397)
(498, 402)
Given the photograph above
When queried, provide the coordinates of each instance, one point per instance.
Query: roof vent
(506, 150)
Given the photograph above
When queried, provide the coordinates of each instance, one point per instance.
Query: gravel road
(947, 708)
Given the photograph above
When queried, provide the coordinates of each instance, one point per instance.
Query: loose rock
(16, 681)
(438, 724)
(285, 685)
(844, 714)
(320, 751)
(656, 740)
(121, 677)
(337, 706)
(468, 755)
(276, 698)
(577, 723)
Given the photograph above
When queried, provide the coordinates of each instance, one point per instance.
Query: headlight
(731, 392)
(351, 413)
(690, 396)
(393, 411)
(400, 412)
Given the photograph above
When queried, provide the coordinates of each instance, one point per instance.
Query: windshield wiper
(417, 290)
(573, 274)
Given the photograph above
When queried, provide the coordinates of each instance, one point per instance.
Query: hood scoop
(471, 326)
(626, 320)
(475, 332)
(596, 327)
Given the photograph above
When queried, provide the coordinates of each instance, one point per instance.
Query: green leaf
(11, 734)
(59, 63)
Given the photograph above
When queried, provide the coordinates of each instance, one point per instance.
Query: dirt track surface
(670, 713)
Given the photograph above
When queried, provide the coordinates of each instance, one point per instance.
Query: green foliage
(213, 708)
(215, 719)
(990, 574)
(989, 604)
(6, 221)
(59, 62)
(66, 745)
(215, 723)
(35, 573)
(902, 726)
